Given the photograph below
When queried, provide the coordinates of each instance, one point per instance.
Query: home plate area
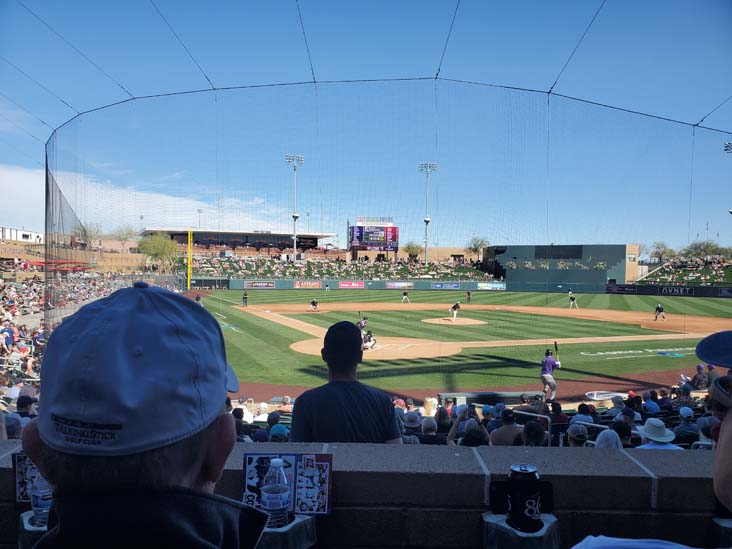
(390, 348)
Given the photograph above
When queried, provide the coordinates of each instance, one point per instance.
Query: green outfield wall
(296, 284)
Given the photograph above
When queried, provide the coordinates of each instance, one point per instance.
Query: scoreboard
(374, 238)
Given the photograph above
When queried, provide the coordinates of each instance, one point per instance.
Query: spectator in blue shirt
(651, 407)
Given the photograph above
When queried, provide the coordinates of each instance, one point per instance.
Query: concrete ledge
(682, 480)
(583, 478)
(408, 475)
(433, 496)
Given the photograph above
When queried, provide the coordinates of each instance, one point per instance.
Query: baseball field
(612, 342)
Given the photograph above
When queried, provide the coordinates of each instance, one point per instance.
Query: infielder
(245, 299)
(314, 306)
(405, 296)
(572, 300)
(548, 364)
(468, 295)
(454, 310)
(327, 287)
(660, 311)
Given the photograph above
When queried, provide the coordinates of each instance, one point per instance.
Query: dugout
(582, 268)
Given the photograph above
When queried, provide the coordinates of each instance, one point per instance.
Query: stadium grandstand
(425, 225)
(691, 272)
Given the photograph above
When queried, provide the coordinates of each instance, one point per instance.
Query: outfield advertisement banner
(261, 284)
(621, 289)
(399, 285)
(351, 284)
(445, 285)
(682, 291)
(495, 286)
(307, 284)
(675, 290)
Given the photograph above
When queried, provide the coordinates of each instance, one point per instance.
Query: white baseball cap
(138, 370)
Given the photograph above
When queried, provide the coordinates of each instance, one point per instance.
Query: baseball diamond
(611, 344)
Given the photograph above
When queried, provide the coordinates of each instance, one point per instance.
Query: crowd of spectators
(17, 265)
(77, 288)
(691, 272)
(664, 419)
(18, 299)
(530, 264)
(325, 269)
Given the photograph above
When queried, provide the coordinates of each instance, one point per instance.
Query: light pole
(294, 160)
(728, 150)
(199, 217)
(427, 168)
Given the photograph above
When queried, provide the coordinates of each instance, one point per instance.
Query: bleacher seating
(691, 272)
(322, 269)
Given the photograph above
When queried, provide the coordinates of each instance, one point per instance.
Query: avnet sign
(675, 290)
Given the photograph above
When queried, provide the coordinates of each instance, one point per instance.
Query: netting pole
(190, 258)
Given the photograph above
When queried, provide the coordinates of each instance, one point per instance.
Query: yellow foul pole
(190, 258)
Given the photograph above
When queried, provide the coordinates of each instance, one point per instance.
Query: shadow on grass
(450, 370)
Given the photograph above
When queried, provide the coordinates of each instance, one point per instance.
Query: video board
(374, 238)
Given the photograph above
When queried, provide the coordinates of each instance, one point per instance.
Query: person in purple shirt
(548, 364)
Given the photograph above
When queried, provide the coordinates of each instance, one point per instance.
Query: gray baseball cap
(138, 370)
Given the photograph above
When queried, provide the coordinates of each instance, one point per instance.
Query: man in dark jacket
(125, 471)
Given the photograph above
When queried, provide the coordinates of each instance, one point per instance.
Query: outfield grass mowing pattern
(259, 350)
(501, 325)
(698, 306)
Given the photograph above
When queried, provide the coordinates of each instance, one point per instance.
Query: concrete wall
(432, 496)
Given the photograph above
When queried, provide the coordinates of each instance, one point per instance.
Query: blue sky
(513, 166)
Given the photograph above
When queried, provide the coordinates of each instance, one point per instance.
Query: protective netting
(561, 189)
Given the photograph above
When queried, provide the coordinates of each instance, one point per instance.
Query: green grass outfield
(259, 349)
(700, 306)
(501, 325)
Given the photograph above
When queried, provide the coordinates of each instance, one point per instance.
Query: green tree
(661, 251)
(123, 234)
(160, 249)
(476, 245)
(703, 248)
(412, 250)
(89, 234)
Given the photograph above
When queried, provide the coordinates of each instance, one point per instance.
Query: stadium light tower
(294, 160)
(426, 168)
(200, 211)
(728, 150)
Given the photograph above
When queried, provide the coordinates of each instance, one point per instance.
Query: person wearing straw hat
(656, 436)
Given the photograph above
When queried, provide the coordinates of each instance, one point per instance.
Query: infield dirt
(679, 327)
(394, 348)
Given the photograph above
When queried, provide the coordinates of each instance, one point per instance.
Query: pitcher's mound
(458, 322)
(390, 348)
